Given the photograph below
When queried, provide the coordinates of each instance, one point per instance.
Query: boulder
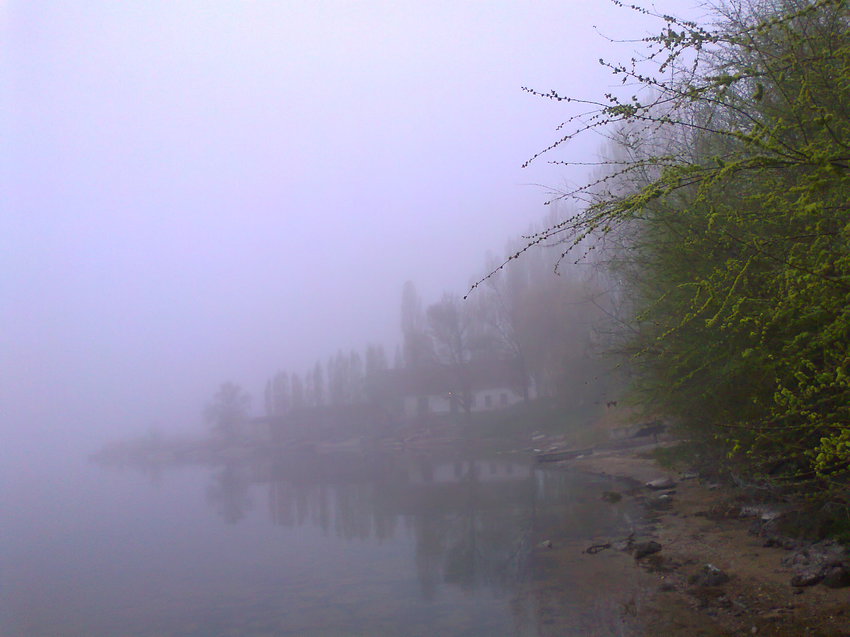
(642, 549)
(837, 576)
(708, 575)
(823, 561)
(661, 483)
(807, 578)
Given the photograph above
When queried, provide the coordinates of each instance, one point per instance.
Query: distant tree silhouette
(228, 410)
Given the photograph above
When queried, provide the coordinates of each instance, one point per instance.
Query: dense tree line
(552, 326)
(713, 249)
(723, 210)
(342, 380)
(547, 327)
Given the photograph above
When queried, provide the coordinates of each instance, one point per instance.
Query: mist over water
(213, 192)
(301, 545)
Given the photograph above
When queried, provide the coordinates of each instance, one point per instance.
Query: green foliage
(730, 229)
(677, 457)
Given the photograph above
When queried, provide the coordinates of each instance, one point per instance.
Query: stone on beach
(661, 483)
(709, 575)
(642, 549)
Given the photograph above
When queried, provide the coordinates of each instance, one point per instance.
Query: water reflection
(319, 544)
(228, 492)
(472, 517)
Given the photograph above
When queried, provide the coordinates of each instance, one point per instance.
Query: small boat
(556, 455)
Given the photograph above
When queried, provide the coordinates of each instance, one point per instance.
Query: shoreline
(701, 532)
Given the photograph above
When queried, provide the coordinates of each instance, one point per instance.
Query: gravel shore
(714, 573)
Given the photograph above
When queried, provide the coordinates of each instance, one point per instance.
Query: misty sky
(204, 191)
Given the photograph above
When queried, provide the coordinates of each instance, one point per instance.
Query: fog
(211, 191)
(201, 192)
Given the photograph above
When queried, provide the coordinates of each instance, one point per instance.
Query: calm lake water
(312, 545)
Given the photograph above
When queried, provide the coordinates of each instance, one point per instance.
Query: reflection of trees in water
(337, 495)
(473, 531)
(228, 492)
(570, 511)
(573, 505)
(470, 518)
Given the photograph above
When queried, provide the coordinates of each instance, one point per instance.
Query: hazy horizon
(215, 191)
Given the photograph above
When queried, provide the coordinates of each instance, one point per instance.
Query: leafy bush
(727, 219)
